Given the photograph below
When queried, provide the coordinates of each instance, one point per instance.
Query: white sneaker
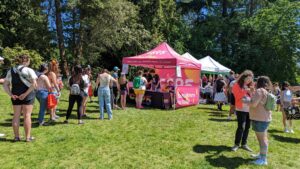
(235, 148)
(2, 135)
(260, 162)
(229, 118)
(286, 130)
(292, 131)
(256, 156)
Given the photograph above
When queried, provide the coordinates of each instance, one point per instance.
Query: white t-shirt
(143, 83)
(86, 80)
(27, 75)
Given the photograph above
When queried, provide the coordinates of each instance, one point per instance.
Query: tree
(60, 38)
(24, 24)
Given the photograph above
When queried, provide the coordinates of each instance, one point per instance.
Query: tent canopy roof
(162, 56)
(209, 65)
(190, 57)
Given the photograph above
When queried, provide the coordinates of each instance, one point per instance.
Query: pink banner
(186, 96)
(190, 77)
(187, 92)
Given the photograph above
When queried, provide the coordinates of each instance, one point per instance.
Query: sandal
(16, 139)
(30, 139)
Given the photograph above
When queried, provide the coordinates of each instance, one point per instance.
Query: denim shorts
(260, 126)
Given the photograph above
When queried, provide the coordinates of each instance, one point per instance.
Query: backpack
(287, 96)
(137, 82)
(75, 89)
(271, 102)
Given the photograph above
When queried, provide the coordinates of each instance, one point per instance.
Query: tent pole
(174, 99)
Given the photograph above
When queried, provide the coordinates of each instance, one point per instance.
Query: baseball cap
(116, 68)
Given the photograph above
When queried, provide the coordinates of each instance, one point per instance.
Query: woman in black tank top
(19, 84)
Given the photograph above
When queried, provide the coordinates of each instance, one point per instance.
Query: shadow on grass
(63, 100)
(210, 149)
(92, 111)
(275, 131)
(7, 140)
(286, 139)
(208, 108)
(94, 106)
(220, 120)
(217, 114)
(217, 160)
(226, 162)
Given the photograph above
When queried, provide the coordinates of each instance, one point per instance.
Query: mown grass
(194, 137)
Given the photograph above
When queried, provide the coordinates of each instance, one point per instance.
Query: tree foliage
(262, 35)
(12, 53)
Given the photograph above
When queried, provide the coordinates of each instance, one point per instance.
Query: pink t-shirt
(258, 111)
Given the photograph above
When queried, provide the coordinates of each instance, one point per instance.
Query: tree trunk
(252, 7)
(74, 33)
(224, 34)
(60, 38)
(80, 38)
(224, 6)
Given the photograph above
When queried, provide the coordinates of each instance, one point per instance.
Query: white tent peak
(190, 57)
(210, 65)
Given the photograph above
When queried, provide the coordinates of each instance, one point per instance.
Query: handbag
(90, 91)
(96, 92)
(292, 113)
(51, 101)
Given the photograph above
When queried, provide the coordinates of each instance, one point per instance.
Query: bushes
(12, 53)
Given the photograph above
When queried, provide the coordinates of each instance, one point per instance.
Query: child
(276, 91)
(286, 99)
(171, 89)
(124, 90)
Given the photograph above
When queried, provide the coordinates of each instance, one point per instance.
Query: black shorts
(123, 92)
(29, 100)
(115, 91)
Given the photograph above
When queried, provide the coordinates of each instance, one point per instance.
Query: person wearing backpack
(139, 87)
(261, 116)
(286, 97)
(76, 93)
(19, 84)
(104, 95)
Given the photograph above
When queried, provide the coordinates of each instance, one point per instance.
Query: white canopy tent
(209, 65)
(190, 57)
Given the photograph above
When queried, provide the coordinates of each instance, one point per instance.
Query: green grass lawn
(194, 137)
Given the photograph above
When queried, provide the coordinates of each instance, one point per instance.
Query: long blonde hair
(122, 79)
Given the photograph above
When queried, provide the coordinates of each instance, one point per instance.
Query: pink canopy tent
(163, 56)
(169, 65)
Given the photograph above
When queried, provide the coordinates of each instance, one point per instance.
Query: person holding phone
(242, 91)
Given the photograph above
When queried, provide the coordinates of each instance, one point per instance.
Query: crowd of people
(24, 85)
(247, 97)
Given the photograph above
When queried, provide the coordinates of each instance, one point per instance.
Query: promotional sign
(187, 86)
(189, 77)
(187, 95)
(125, 68)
